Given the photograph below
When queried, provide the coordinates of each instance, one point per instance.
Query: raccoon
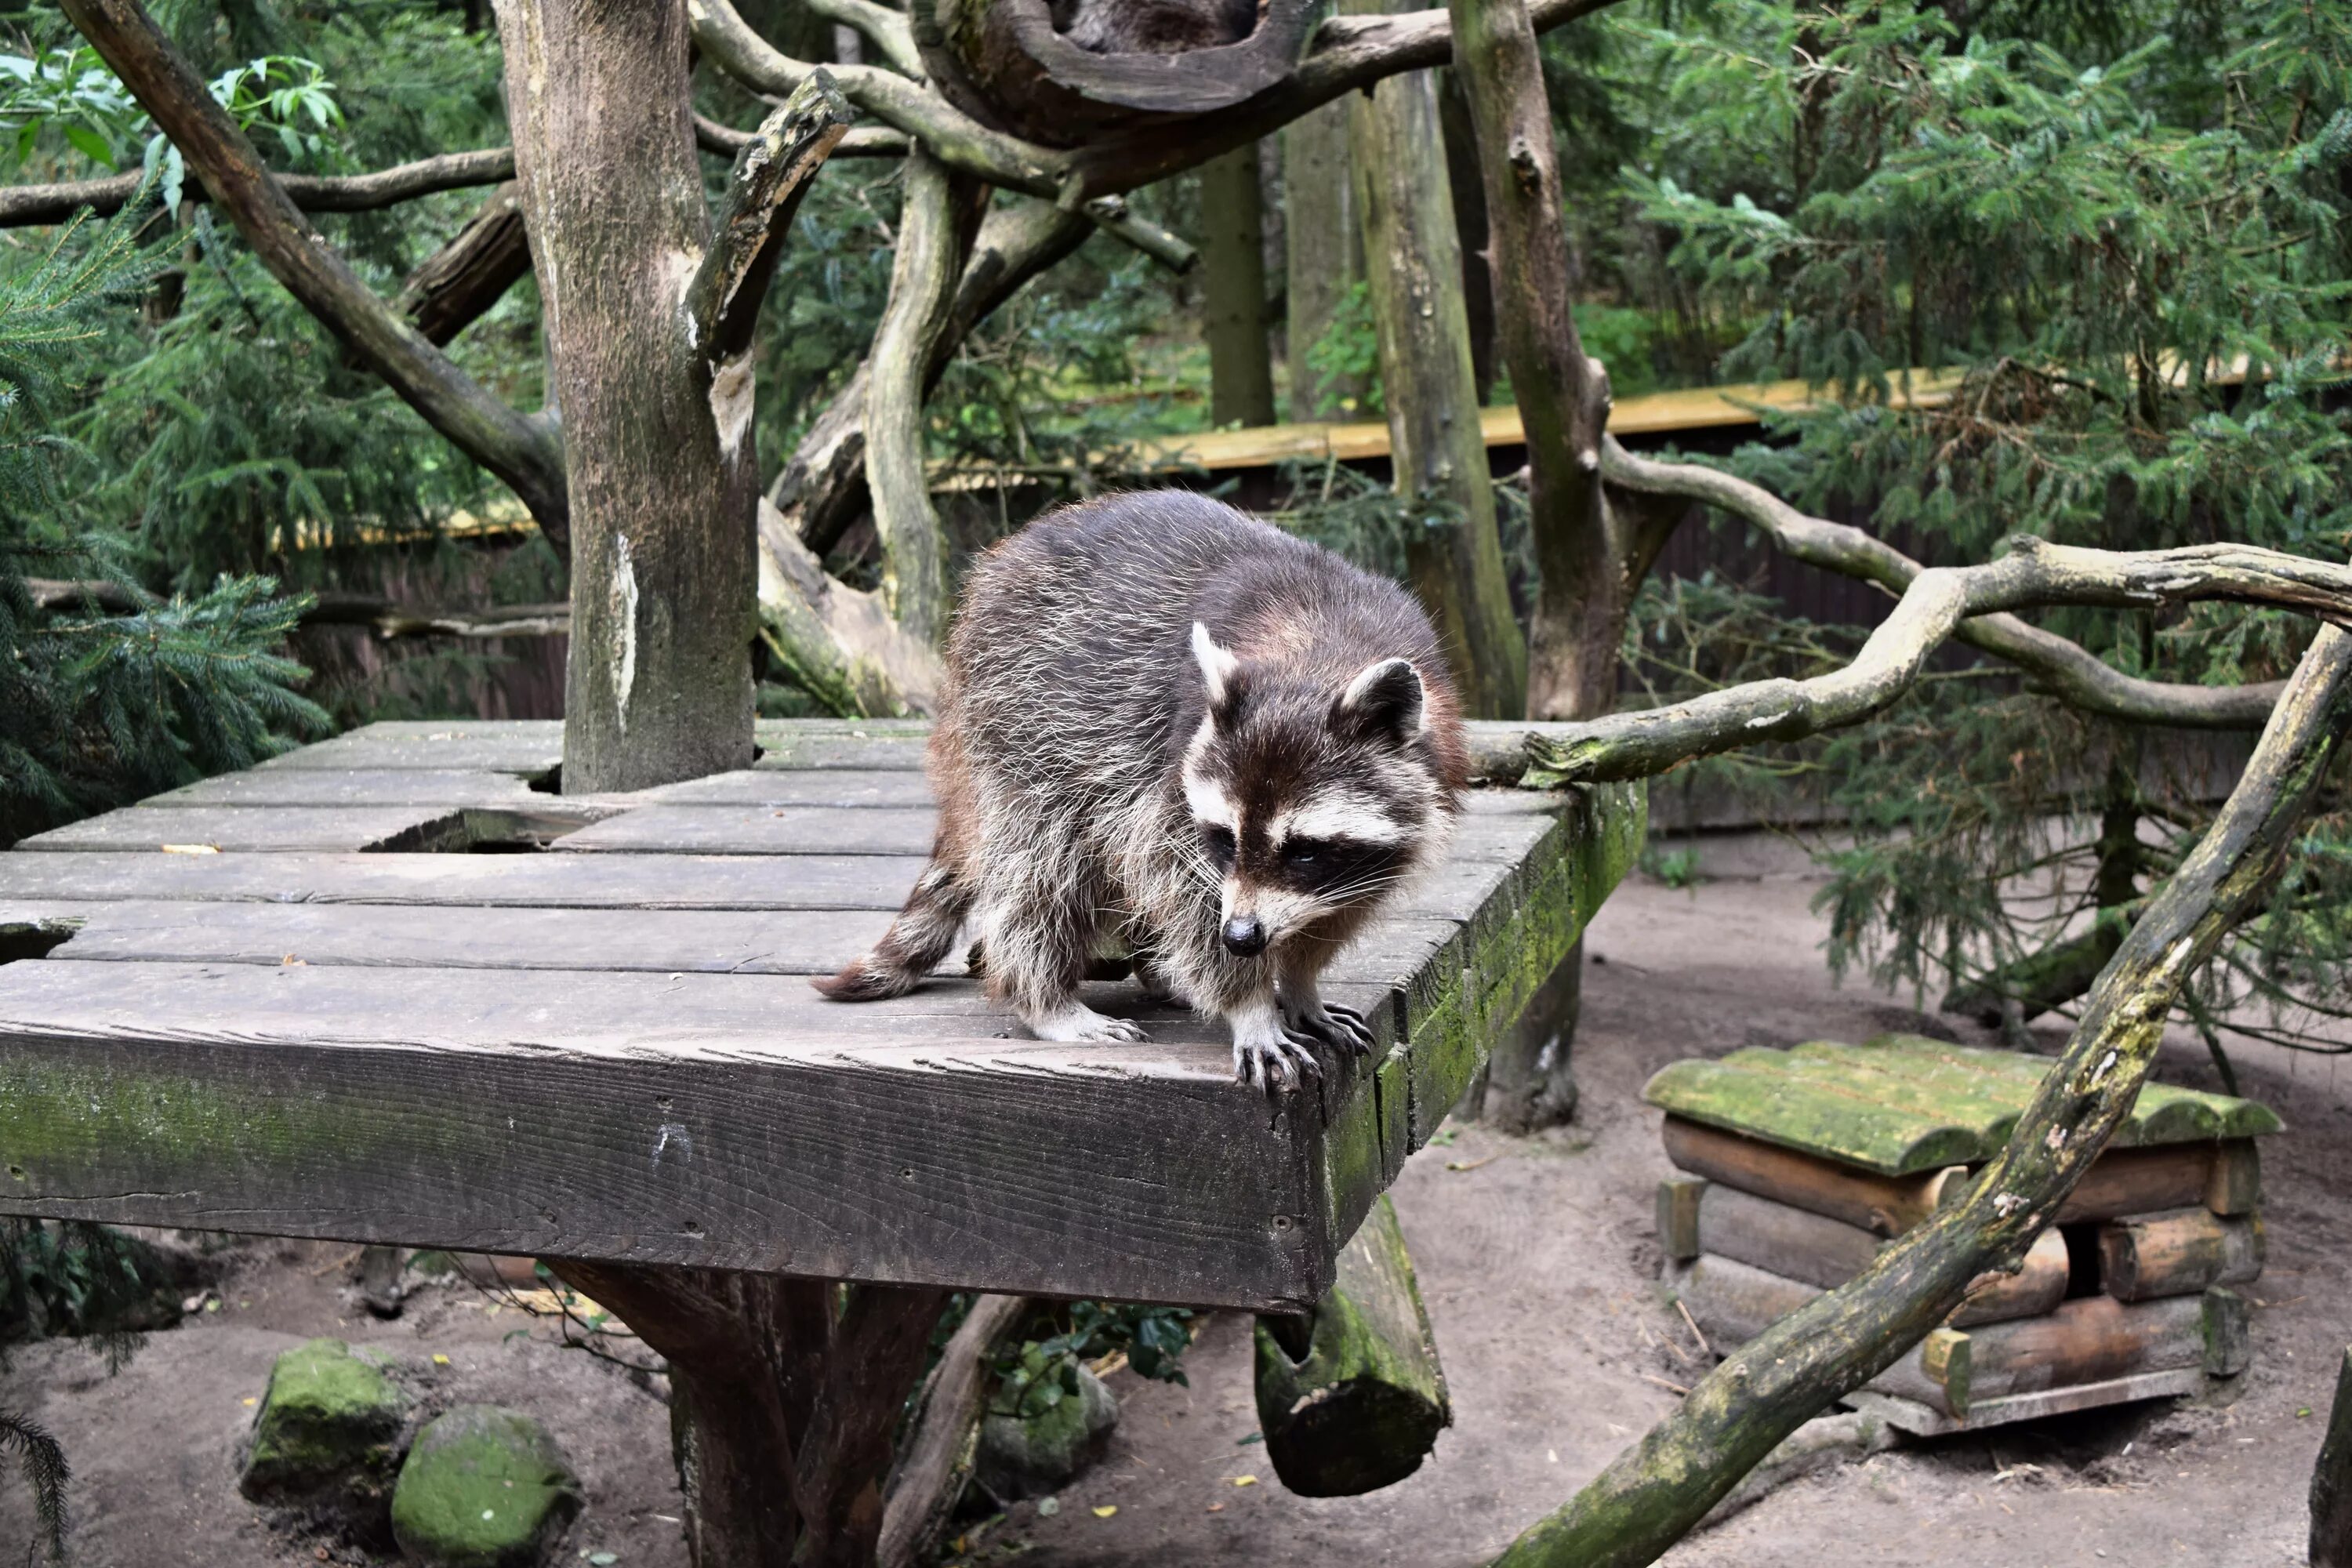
(1154, 26)
(1173, 731)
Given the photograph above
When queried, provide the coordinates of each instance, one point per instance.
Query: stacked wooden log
(1798, 1165)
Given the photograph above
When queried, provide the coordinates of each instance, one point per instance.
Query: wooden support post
(1351, 1398)
(1454, 554)
(1232, 257)
(783, 1396)
(2177, 1254)
(2228, 1325)
(2331, 1480)
(1678, 1204)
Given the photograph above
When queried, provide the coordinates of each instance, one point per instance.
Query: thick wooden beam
(1351, 1396)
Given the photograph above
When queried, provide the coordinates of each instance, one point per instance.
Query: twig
(1684, 1308)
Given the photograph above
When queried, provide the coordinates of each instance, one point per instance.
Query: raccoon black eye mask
(1172, 730)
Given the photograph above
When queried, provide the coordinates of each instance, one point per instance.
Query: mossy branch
(1658, 1490)
(23, 206)
(764, 191)
(1934, 606)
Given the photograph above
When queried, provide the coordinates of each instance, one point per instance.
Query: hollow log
(2177, 1254)
(1351, 1398)
(1115, 67)
(2331, 1480)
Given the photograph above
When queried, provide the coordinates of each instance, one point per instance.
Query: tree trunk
(1325, 255)
(1564, 396)
(660, 471)
(1464, 179)
(1453, 552)
(2331, 1481)
(1233, 254)
(783, 1396)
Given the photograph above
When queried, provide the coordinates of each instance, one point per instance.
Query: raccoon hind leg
(1039, 940)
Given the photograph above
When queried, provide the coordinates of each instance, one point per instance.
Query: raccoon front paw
(1274, 1058)
(1335, 1026)
(1081, 1023)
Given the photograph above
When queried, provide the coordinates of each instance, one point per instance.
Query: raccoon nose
(1245, 938)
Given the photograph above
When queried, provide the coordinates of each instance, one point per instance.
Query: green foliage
(2116, 235)
(1038, 1375)
(1348, 354)
(99, 707)
(43, 1465)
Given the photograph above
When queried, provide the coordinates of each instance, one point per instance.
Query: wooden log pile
(1796, 1166)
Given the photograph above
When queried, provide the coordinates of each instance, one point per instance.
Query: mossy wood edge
(1901, 1104)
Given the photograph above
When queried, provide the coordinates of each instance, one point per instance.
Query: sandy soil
(1539, 1265)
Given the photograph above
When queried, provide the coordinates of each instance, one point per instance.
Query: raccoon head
(1307, 801)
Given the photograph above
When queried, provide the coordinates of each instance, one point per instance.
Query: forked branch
(2071, 673)
(1932, 608)
(1657, 1490)
(519, 451)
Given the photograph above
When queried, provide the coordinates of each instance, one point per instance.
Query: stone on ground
(1020, 1459)
(483, 1488)
(326, 1435)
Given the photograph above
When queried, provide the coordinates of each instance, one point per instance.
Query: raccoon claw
(1279, 1063)
(1343, 1028)
(1086, 1023)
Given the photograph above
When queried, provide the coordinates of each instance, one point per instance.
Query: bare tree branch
(764, 192)
(886, 29)
(1649, 741)
(862, 142)
(24, 205)
(388, 618)
(1657, 1490)
(2070, 673)
(926, 1476)
(1114, 217)
(928, 266)
(459, 283)
(519, 451)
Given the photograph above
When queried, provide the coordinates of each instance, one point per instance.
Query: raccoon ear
(1219, 667)
(1386, 697)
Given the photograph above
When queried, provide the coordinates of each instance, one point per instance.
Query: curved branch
(764, 191)
(1657, 1490)
(519, 451)
(821, 491)
(1642, 744)
(886, 29)
(22, 206)
(2070, 673)
(923, 280)
(864, 141)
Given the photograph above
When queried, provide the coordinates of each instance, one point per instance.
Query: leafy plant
(1348, 354)
(1038, 1375)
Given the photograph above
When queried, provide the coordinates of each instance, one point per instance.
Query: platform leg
(2331, 1481)
(783, 1395)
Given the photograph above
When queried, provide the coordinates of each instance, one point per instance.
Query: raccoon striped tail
(921, 935)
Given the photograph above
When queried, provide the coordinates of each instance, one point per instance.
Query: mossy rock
(1020, 1459)
(327, 1437)
(483, 1488)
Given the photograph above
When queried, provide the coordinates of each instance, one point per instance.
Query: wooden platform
(392, 988)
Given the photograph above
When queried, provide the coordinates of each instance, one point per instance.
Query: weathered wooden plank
(1887, 1206)
(446, 787)
(1768, 1104)
(556, 881)
(793, 786)
(902, 751)
(756, 830)
(230, 828)
(1920, 1420)
(533, 747)
(1679, 1201)
(2178, 1253)
(651, 1140)
(1810, 1247)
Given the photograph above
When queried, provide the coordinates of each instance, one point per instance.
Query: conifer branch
(1658, 1490)
(1641, 744)
(25, 206)
(2069, 671)
(523, 452)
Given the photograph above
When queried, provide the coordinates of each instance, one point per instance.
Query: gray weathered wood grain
(446, 787)
(244, 828)
(756, 830)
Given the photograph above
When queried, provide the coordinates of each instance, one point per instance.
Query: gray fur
(1079, 745)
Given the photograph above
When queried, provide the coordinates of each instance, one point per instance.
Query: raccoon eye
(1305, 854)
(1219, 842)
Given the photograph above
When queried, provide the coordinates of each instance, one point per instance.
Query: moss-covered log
(1351, 1398)
(1662, 1486)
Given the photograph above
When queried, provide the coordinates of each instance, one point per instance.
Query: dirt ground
(1539, 1265)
